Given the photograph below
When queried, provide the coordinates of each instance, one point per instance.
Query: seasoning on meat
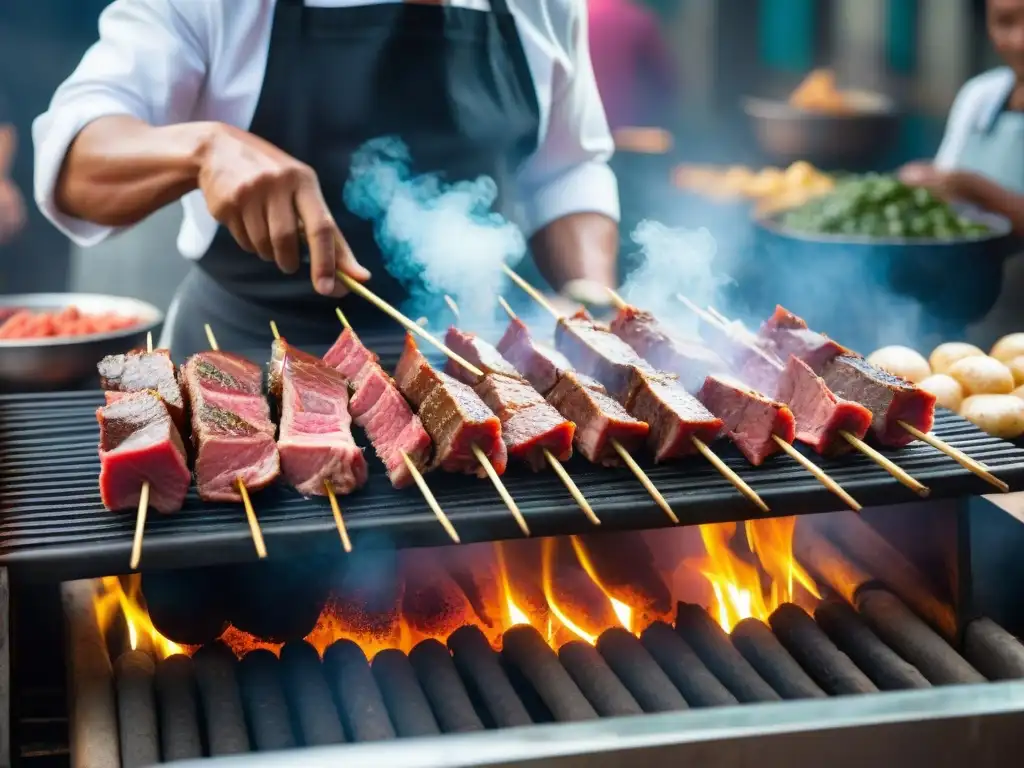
(139, 443)
(452, 413)
(380, 409)
(540, 364)
(315, 441)
(675, 417)
(752, 419)
(140, 370)
(231, 427)
(691, 361)
(820, 415)
(889, 398)
(529, 423)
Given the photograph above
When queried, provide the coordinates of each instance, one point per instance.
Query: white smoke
(436, 237)
(674, 261)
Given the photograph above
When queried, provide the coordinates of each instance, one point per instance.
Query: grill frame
(54, 527)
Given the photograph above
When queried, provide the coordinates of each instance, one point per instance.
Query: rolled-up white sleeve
(569, 172)
(149, 62)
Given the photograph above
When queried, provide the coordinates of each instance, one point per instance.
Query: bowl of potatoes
(987, 389)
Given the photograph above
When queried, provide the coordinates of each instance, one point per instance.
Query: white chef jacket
(175, 61)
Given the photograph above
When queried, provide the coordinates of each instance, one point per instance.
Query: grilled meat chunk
(529, 423)
(452, 413)
(541, 365)
(380, 410)
(889, 398)
(315, 442)
(820, 415)
(752, 419)
(139, 443)
(231, 427)
(600, 420)
(786, 335)
(690, 360)
(140, 370)
(674, 416)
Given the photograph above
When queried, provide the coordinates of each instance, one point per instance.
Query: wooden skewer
(502, 490)
(819, 473)
(556, 465)
(957, 455)
(882, 461)
(250, 513)
(140, 517)
(710, 455)
(417, 476)
(377, 301)
(332, 497)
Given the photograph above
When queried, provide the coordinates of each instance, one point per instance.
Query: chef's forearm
(119, 170)
(990, 196)
(580, 246)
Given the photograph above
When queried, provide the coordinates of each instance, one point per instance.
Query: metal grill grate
(52, 523)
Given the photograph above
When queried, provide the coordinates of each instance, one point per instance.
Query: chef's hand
(945, 184)
(12, 207)
(266, 198)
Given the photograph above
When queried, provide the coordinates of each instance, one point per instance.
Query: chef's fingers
(345, 260)
(322, 236)
(236, 227)
(8, 144)
(284, 232)
(254, 217)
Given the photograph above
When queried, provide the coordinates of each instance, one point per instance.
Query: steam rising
(436, 237)
(674, 261)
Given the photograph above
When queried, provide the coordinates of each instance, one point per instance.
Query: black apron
(454, 84)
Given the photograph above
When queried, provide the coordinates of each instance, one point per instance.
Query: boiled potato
(1016, 367)
(1008, 347)
(947, 390)
(944, 355)
(901, 361)
(1018, 392)
(999, 415)
(982, 376)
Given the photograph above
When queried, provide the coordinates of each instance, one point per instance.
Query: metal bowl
(52, 363)
(848, 141)
(860, 289)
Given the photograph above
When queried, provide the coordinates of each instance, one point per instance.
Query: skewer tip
(210, 338)
(617, 300)
(273, 330)
(339, 521)
(342, 319)
(508, 309)
(452, 306)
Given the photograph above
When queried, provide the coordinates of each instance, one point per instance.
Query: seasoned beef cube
(478, 352)
(540, 364)
(674, 415)
(600, 354)
(820, 415)
(529, 424)
(751, 419)
(140, 370)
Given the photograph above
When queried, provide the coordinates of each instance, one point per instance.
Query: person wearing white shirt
(250, 110)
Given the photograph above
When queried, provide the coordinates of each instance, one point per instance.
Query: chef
(250, 112)
(981, 158)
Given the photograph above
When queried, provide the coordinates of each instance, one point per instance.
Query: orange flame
(737, 584)
(113, 599)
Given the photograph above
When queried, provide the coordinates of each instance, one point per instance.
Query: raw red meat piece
(139, 443)
(231, 426)
(380, 409)
(139, 370)
(315, 442)
(752, 419)
(820, 415)
(600, 354)
(889, 398)
(452, 413)
(529, 424)
(541, 365)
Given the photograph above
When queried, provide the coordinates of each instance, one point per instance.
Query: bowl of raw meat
(53, 340)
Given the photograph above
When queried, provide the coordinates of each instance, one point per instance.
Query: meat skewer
(140, 516)
(649, 390)
(250, 513)
(524, 412)
(820, 350)
(329, 490)
(776, 366)
(601, 422)
(732, 402)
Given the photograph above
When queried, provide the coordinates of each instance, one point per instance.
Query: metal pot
(52, 363)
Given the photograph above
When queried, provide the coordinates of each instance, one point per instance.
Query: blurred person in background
(981, 158)
(12, 208)
(633, 64)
